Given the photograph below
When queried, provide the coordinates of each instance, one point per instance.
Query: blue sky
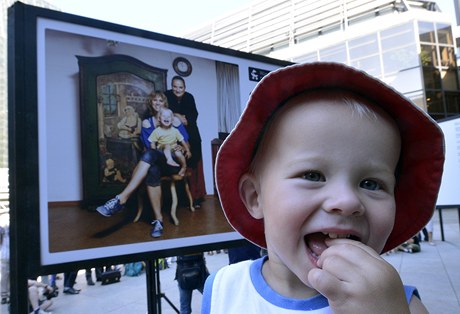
(171, 17)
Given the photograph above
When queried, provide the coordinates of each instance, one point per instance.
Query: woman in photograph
(182, 103)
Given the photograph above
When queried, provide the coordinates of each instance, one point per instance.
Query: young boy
(166, 137)
(327, 169)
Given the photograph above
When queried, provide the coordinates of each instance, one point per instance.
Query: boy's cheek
(380, 235)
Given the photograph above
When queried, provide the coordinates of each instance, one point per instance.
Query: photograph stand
(154, 294)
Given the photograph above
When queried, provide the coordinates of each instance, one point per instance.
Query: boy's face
(166, 118)
(324, 171)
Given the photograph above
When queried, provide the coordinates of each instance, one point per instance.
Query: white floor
(435, 271)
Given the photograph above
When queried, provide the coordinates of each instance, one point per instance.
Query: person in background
(248, 251)
(5, 263)
(50, 280)
(35, 296)
(69, 282)
(429, 232)
(191, 273)
(410, 246)
(182, 103)
(89, 277)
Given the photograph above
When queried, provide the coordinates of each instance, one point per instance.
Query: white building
(408, 44)
(4, 5)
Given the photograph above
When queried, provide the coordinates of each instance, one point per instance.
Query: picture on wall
(115, 93)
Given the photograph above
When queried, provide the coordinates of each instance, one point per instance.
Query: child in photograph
(130, 124)
(327, 169)
(166, 138)
(111, 173)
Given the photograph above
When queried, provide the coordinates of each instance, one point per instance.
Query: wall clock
(182, 66)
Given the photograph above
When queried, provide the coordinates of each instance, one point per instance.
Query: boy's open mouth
(316, 241)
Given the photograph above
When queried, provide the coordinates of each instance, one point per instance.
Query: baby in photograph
(168, 139)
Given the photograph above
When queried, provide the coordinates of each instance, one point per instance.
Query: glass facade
(399, 49)
(364, 54)
(389, 54)
(439, 69)
(337, 53)
(416, 58)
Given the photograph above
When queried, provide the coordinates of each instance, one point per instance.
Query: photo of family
(137, 174)
(146, 134)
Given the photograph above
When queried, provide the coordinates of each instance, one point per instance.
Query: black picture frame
(50, 134)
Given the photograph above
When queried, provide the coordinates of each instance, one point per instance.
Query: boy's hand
(188, 154)
(355, 279)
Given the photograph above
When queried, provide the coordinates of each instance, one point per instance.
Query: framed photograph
(79, 96)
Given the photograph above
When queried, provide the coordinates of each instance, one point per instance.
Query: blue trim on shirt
(271, 296)
(207, 294)
(411, 291)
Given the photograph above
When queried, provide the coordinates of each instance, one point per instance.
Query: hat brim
(422, 153)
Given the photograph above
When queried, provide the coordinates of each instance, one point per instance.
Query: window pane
(452, 103)
(444, 34)
(432, 78)
(447, 57)
(401, 58)
(434, 105)
(449, 79)
(363, 47)
(371, 65)
(109, 99)
(428, 55)
(399, 48)
(426, 32)
(311, 57)
(397, 37)
(407, 82)
(336, 53)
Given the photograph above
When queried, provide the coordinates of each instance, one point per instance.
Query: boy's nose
(344, 201)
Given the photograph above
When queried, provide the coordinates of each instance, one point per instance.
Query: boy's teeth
(335, 235)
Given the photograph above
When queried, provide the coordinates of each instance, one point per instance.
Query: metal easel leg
(154, 293)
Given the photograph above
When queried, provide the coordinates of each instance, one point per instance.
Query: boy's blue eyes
(314, 176)
(367, 184)
(370, 185)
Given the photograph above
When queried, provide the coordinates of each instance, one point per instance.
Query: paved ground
(435, 271)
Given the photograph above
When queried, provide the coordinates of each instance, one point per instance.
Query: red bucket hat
(422, 146)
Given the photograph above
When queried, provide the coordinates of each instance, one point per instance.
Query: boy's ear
(249, 194)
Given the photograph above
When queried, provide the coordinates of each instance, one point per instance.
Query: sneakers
(70, 290)
(112, 206)
(157, 229)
